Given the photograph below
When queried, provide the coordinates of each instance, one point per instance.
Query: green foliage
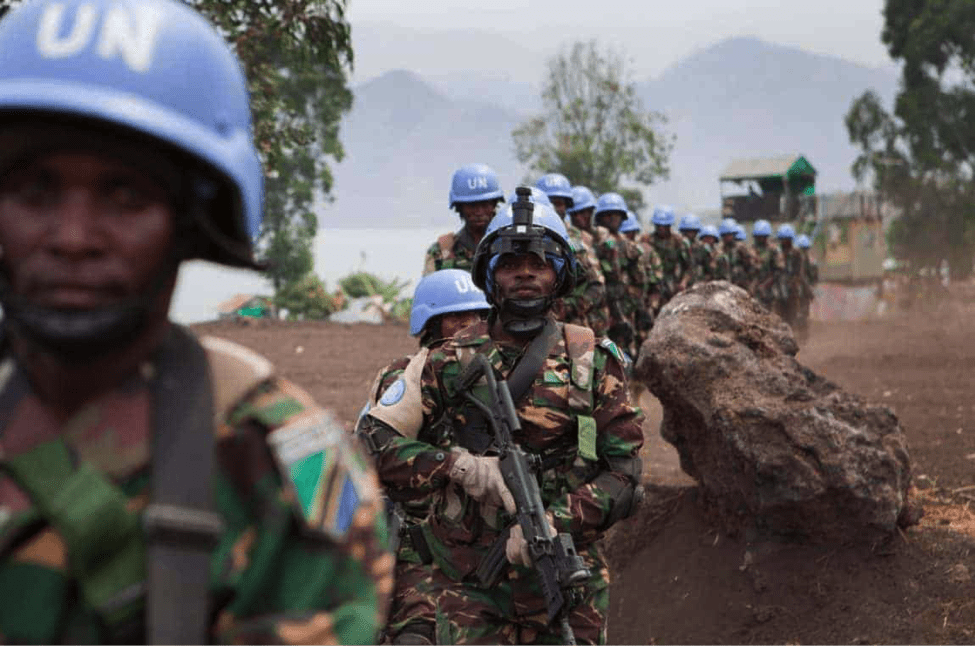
(362, 283)
(594, 129)
(921, 156)
(305, 298)
(297, 54)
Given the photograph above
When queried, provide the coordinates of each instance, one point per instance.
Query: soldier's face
(451, 324)
(760, 241)
(477, 215)
(82, 230)
(560, 204)
(690, 234)
(612, 220)
(583, 219)
(524, 276)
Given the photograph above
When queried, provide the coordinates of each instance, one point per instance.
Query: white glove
(516, 549)
(481, 478)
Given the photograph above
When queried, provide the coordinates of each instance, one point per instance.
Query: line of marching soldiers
(627, 275)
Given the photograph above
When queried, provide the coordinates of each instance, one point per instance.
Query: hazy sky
(654, 32)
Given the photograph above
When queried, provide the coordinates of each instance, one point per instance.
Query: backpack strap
(580, 343)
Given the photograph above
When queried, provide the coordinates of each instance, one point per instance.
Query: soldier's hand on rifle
(516, 549)
(481, 478)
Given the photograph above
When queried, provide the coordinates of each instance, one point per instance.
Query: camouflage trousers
(428, 602)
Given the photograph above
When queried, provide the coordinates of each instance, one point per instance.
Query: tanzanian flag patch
(312, 458)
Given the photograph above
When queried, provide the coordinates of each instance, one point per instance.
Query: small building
(245, 305)
(778, 189)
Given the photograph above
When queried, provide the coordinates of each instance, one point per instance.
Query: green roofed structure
(778, 189)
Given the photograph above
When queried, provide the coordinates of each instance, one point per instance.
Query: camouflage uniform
(768, 274)
(795, 281)
(609, 253)
(643, 273)
(587, 303)
(578, 431)
(736, 264)
(810, 271)
(451, 251)
(704, 262)
(301, 557)
(675, 258)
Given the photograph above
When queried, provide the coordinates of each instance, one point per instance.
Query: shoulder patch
(614, 350)
(394, 393)
(319, 466)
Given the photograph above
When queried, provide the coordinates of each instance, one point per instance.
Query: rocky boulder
(775, 447)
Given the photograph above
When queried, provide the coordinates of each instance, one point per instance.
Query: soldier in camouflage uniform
(704, 256)
(575, 416)
(600, 251)
(644, 281)
(707, 267)
(626, 281)
(810, 272)
(587, 302)
(475, 194)
(154, 487)
(768, 281)
(794, 274)
(735, 262)
(674, 253)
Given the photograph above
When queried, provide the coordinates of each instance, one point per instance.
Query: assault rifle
(559, 567)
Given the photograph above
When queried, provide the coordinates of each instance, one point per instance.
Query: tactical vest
(106, 541)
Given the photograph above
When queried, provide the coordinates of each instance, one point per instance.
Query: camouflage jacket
(578, 432)
(704, 261)
(793, 267)
(587, 303)
(639, 273)
(609, 254)
(675, 259)
(736, 263)
(768, 270)
(810, 271)
(301, 558)
(451, 251)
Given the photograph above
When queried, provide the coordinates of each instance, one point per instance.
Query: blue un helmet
(709, 230)
(740, 234)
(555, 185)
(663, 216)
(474, 183)
(537, 196)
(582, 198)
(762, 228)
(630, 224)
(525, 227)
(444, 292)
(609, 202)
(123, 64)
(689, 222)
(786, 232)
(803, 241)
(728, 225)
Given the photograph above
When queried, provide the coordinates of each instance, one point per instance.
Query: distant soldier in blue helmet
(155, 487)
(674, 253)
(623, 272)
(585, 305)
(769, 278)
(810, 273)
(794, 273)
(735, 262)
(704, 255)
(475, 194)
(596, 238)
(645, 295)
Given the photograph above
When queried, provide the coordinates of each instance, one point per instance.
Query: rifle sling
(523, 374)
(181, 525)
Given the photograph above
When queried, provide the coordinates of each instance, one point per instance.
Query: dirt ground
(676, 579)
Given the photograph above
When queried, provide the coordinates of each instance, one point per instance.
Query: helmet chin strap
(523, 318)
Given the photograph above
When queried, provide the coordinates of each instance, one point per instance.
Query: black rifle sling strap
(181, 526)
(523, 374)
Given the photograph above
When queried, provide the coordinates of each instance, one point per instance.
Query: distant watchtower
(778, 189)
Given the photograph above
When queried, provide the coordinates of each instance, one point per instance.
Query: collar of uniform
(465, 239)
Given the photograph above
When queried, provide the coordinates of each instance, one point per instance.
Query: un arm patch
(329, 481)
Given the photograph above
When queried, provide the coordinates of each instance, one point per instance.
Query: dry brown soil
(678, 580)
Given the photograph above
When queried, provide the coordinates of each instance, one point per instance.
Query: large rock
(774, 446)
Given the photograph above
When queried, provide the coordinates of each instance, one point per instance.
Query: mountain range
(741, 97)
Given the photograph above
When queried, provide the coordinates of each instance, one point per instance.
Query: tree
(922, 156)
(297, 55)
(594, 128)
